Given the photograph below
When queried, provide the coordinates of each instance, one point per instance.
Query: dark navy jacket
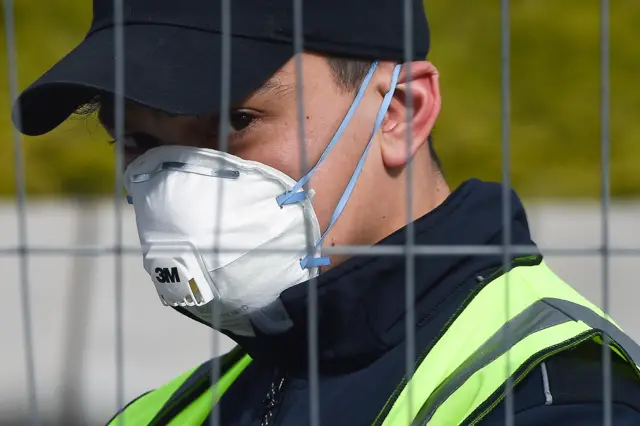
(362, 341)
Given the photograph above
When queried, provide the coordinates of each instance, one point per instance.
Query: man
(360, 101)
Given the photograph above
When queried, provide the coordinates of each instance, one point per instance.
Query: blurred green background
(555, 60)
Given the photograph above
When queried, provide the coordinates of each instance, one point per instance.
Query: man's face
(265, 128)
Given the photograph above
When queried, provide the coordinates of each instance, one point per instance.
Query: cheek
(281, 149)
(280, 146)
(333, 175)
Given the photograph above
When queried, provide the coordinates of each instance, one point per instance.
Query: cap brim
(173, 69)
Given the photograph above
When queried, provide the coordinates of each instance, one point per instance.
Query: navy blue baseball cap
(173, 52)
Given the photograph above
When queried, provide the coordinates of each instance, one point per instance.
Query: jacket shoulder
(567, 389)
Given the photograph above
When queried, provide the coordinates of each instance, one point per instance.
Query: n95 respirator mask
(213, 235)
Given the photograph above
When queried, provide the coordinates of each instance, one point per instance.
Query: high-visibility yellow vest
(508, 326)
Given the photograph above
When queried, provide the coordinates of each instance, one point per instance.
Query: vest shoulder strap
(507, 328)
(182, 396)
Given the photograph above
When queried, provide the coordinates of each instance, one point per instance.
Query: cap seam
(187, 27)
(273, 39)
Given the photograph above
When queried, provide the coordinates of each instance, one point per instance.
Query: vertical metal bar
(223, 131)
(21, 203)
(312, 312)
(409, 242)
(118, 195)
(606, 195)
(78, 315)
(505, 64)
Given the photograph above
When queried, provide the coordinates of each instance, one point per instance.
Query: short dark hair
(349, 73)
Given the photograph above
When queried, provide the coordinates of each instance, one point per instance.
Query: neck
(428, 190)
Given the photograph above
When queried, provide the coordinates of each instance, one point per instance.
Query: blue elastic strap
(129, 199)
(293, 196)
(311, 262)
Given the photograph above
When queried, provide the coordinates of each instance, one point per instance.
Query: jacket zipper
(273, 398)
(519, 261)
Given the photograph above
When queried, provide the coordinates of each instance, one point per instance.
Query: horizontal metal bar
(388, 250)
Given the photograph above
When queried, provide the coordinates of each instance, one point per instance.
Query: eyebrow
(273, 86)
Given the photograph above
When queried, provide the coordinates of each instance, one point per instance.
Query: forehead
(312, 70)
(277, 85)
(283, 84)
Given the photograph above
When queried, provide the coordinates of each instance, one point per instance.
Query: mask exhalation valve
(177, 274)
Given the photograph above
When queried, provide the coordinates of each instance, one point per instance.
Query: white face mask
(200, 199)
(226, 236)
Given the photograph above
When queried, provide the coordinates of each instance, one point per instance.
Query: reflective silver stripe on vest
(580, 313)
(540, 315)
(195, 385)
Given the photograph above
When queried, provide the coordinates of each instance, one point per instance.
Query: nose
(139, 123)
(136, 144)
(146, 128)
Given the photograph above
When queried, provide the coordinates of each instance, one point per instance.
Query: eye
(240, 120)
(141, 141)
(138, 141)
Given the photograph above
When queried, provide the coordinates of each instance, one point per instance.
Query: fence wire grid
(25, 252)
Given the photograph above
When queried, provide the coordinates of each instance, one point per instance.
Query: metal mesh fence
(87, 249)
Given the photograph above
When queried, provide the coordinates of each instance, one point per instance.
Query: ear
(419, 92)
